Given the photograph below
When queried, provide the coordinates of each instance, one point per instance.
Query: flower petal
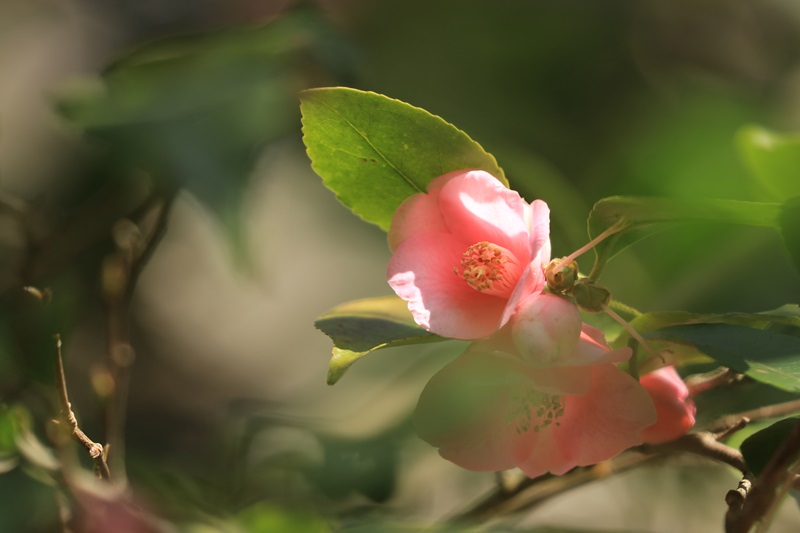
(421, 272)
(674, 409)
(540, 231)
(462, 411)
(550, 380)
(546, 329)
(477, 207)
(593, 349)
(419, 212)
(531, 282)
(601, 423)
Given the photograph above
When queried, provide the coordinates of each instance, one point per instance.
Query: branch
(95, 450)
(722, 376)
(151, 240)
(121, 272)
(531, 492)
(759, 501)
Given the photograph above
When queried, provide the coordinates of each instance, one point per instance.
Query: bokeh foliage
(577, 102)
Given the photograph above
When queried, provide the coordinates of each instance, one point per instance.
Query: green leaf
(373, 152)
(9, 428)
(774, 159)
(268, 519)
(760, 447)
(765, 356)
(196, 111)
(637, 218)
(789, 220)
(788, 315)
(363, 326)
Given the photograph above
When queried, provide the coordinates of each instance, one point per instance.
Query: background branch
(95, 449)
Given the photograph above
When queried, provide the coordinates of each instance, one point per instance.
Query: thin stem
(631, 331)
(95, 449)
(159, 229)
(624, 309)
(124, 268)
(618, 226)
(705, 443)
(772, 411)
(699, 383)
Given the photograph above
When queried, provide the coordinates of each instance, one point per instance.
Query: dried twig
(95, 449)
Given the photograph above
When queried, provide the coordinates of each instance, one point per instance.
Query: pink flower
(674, 408)
(544, 400)
(466, 253)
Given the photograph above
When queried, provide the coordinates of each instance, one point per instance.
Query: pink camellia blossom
(674, 409)
(502, 405)
(467, 252)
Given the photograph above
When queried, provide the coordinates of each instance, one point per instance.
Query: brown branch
(524, 494)
(531, 492)
(769, 411)
(722, 376)
(761, 497)
(95, 450)
(151, 241)
(705, 444)
(121, 272)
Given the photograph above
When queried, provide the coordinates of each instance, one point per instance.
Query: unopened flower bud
(546, 328)
(561, 276)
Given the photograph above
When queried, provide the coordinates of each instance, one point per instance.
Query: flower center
(535, 410)
(489, 268)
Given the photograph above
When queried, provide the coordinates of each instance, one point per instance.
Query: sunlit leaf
(374, 151)
(637, 218)
(362, 326)
(765, 356)
(760, 447)
(774, 160)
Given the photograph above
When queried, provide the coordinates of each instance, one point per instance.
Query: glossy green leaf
(765, 356)
(788, 315)
(636, 218)
(760, 447)
(362, 326)
(773, 158)
(374, 151)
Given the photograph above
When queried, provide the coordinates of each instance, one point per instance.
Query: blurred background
(182, 117)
